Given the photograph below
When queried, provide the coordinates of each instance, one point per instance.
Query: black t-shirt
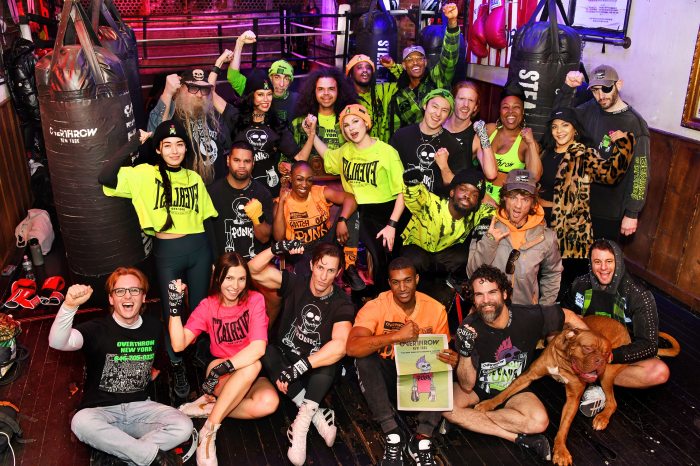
(466, 139)
(233, 230)
(307, 321)
(501, 355)
(417, 150)
(269, 145)
(213, 145)
(285, 107)
(118, 360)
(550, 166)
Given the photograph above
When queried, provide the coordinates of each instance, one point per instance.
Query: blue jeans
(133, 432)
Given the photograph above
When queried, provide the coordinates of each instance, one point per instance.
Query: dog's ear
(565, 337)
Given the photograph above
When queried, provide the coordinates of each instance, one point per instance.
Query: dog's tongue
(589, 376)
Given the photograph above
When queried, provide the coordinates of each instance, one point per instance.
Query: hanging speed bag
(376, 36)
(543, 52)
(87, 117)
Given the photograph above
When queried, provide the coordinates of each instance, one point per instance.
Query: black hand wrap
(217, 371)
(174, 299)
(280, 247)
(464, 342)
(296, 370)
(412, 177)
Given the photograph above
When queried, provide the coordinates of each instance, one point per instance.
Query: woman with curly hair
(324, 95)
(569, 169)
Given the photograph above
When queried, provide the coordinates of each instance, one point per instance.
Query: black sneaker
(352, 278)
(100, 458)
(538, 443)
(166, 458)
(181, 388)
(393, 450)
(421, 450)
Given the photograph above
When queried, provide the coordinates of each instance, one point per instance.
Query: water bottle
(28, 269)
(35, 250)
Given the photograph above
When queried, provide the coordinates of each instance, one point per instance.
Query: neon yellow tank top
(505, 163)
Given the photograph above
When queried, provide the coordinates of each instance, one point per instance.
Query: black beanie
(257, 81)
(470, 176)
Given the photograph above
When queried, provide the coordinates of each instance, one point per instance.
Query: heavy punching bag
(431, 38)
(543, 52)
(118, 37)
(87, 118)
(376, 35)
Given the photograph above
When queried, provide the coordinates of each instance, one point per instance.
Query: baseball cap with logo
(413, 48)
(603, 75)
(281, 67)
(196, 77)
(520, 179)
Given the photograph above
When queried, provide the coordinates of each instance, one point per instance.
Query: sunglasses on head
(512, 259)
(193, 89)
(604, 89)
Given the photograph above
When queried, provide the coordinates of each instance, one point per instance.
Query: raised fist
(412, 176)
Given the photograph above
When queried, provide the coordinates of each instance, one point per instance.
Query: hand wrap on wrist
(254, 211)
(412, 177)
(464, 342)
(480, 130)
(280, 247)
(174, 299)
(293, 372)
(217, 371)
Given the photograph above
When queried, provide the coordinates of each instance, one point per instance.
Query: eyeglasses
(414, 60)
(512, 259)
(193, 89)
(134, 291)
(603, 89)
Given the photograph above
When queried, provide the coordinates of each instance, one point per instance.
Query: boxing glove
(476, 38)
(495, 29)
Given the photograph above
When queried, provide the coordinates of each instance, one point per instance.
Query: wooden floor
(659, 426)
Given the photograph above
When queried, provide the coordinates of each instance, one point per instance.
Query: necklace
(425, 139)
(259, 115)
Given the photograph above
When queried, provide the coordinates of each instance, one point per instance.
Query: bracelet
(342, 219)
(392, 223)
(216, 69)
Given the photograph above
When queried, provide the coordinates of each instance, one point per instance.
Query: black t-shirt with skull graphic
(232, 230)
(214, 146)
(501, 355)
(269, 146)
(417, 150)
(307, 321)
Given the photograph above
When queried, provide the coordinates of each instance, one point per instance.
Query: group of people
(430, 192)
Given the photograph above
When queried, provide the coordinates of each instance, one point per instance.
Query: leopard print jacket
(579, 167)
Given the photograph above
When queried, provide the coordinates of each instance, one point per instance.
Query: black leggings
(317, 381)
(187, 258)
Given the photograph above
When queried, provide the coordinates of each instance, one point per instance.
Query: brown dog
(576, 358)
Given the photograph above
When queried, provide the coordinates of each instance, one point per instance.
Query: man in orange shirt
(396, 316)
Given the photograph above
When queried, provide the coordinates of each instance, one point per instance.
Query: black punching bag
(376, 35)
(118, 37)
(86, 119)
(543, 52)
(431, 38)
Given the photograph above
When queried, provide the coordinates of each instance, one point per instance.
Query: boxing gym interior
(653, 44)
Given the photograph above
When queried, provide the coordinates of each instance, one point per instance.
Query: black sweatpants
(317, 381)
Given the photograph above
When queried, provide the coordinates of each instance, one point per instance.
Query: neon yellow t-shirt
(374, 175)
(327, 131)
(190, 206)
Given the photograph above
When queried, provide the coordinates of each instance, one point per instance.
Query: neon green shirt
(190, 206)
(373, 175)
(432, 227)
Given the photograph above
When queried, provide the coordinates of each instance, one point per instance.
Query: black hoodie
(624, 300)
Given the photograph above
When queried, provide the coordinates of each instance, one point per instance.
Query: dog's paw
(600, 422)
(561, 456)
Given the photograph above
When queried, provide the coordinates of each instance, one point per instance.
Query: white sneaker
(199, 408)
(592, 401)
(206, 450)
(324, 421)
(297, 433)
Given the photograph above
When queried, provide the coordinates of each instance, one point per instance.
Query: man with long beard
(496, 344)
(191, 99)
